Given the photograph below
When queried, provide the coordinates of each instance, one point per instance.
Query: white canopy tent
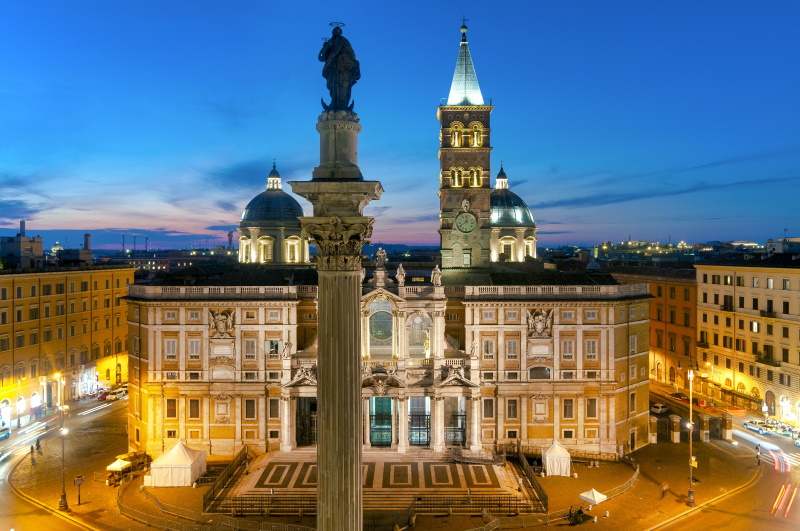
(594, 497)
(118, 466)
(180, 466)
(557, 461)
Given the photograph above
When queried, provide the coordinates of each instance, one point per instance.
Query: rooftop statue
(341, 70)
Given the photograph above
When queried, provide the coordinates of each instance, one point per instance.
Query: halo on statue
(337, 24)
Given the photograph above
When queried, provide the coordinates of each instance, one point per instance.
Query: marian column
(339, 194)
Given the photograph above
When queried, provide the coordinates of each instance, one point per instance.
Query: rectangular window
(786, 307)
(686, 293)
(567, 434)
(171, 315)
(172, 408)
(3, 294)
(590, 349)
(770, 284)
(512, 349)
(769, 375)
(786, 284)
(488, 349)
(511, 408)
(274, 408)
(488, 408)
(633, 372)
(591, 315)
(591, 408)
(250, 376)
(755, 282)
(633, 401)
(194, 408)
(250, 408)
(250, 349)
(568, 315)
(512, 315)
(194, 315)
(568, 349)
(171, 349)
(632, 345)
(568, 408)
(273, 315)
(487, 315)
(194, 349)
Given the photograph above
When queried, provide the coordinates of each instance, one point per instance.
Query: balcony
(760, 358)
(726, 307)
(702, 344)
(770, 314)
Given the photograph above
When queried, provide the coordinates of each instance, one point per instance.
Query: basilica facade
(486, 348)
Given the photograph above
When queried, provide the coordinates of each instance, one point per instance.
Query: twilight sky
(672, 119)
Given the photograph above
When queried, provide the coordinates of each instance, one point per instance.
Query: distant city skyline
(612, 120)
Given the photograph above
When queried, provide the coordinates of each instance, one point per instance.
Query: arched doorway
(769, 399)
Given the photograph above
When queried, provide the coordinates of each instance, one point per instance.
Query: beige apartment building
(67, 321)
(749, 331)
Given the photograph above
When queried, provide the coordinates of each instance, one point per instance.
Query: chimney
(22, 227)
(87, 241)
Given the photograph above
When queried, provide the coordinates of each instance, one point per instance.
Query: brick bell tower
(465, 170)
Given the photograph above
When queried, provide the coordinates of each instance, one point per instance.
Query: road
(772, 502)
(18, 513)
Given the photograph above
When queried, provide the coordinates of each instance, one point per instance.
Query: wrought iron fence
(531, 475)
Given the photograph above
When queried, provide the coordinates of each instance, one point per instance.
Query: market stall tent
(180, 466)
(118, 466)
(557, 461)
(592, 496)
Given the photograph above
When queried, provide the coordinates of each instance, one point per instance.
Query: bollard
(607, 514)
(594, 520)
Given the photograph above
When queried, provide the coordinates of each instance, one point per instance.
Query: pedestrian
(31, 450)
(37, 444)
(664, 489)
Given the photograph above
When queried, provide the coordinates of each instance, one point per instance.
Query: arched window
(476, 135)
(456, 130)
(540, 373)
(293, 254)
(456, 177)
(381, 329)
(508, 249)
(530, 247)
(265, 249)
(419, 335)
(244, 249)
(475, 177)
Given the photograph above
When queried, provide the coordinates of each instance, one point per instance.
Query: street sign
(78, 481)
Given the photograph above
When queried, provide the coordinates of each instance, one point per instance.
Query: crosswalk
(780, 459)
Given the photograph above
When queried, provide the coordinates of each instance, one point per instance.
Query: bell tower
(464, 189)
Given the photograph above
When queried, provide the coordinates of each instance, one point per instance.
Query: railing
(768, 361)
(222, 480)
(583, 292)
(767, 313)
(214, 292)
(496, 459)
(529, 473)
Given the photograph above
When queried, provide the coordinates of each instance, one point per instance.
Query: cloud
(223, 227)
(227, 206)
(239, 174)
(16, 209)
(553, 232)
(378, 210)
(623, 197)
(236, 115)
(417, 219)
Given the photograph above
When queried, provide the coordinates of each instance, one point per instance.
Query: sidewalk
(722, 468)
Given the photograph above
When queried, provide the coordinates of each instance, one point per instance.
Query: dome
(272, 205)
(506, 206)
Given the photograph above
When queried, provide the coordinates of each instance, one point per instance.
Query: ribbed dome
(273, 204)
(508, 207)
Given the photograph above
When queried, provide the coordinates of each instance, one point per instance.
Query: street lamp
(62, 502)
(690, 501)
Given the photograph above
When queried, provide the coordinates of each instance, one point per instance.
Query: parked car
(760, 426)
(680, 396)
(103, 395)
(5, 433)
(116, 395)
(659, 409)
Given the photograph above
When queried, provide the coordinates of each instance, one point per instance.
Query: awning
(118, 466)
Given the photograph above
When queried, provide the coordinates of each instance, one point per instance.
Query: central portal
(380, 421)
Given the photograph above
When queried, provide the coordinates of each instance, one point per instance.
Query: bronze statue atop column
(341, 70)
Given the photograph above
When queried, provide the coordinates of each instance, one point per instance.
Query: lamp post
(62, 502)
(690, 501)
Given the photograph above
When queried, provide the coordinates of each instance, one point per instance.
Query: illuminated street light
(62, 502)
(690, 501)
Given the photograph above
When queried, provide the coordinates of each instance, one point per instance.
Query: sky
(652, 121)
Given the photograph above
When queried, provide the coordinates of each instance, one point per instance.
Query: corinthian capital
(338, 241)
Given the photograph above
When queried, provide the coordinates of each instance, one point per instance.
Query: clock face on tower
(466, 222)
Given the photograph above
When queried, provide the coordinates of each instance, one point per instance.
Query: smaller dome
(272, 205)
(506, 206)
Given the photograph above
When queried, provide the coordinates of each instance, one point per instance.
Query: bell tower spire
(464, 189)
